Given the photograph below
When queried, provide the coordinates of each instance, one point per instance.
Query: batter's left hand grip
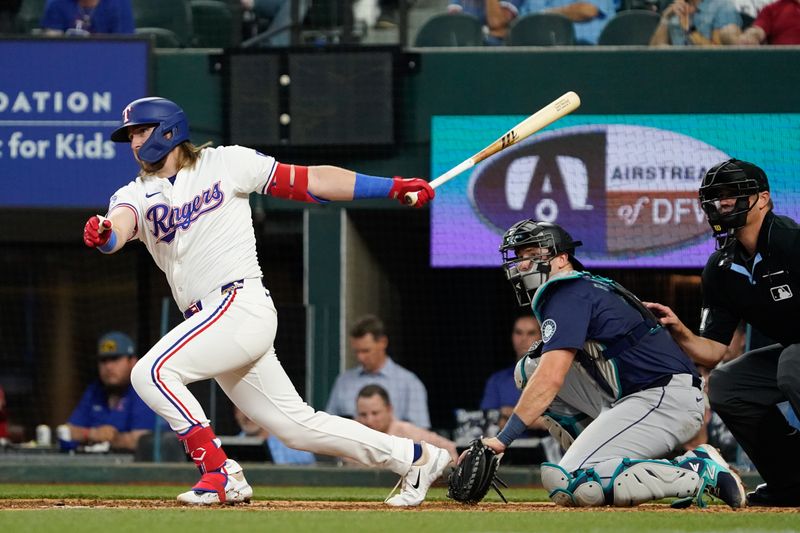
(410, 198)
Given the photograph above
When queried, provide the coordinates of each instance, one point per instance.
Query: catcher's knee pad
(584, 489)
(565, 429)
(638, 481)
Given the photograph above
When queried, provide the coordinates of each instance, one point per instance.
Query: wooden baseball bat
(553, 111)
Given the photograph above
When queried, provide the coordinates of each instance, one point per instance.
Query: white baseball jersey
(199, 230)
(193, 224)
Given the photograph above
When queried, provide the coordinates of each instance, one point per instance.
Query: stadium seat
(160, 37)
(212, 23)
(630, 28)
(541, 29)
(450, 29)
(29, 16)
(173, 15)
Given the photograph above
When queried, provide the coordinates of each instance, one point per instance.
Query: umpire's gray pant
(745, 392)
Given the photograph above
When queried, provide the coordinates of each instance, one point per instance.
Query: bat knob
(103, 226)
(410, 198)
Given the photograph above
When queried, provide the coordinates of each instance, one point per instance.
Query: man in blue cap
(110, 410)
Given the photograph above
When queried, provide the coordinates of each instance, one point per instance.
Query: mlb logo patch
(782, 292)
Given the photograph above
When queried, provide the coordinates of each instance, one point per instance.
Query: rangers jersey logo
(166, 220)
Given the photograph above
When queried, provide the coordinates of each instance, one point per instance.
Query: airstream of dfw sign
(621, 189)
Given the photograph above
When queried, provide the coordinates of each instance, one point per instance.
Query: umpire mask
(725, 194)
(527, 249)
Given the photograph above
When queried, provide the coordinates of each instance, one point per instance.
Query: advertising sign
(59, 101)
(624, 185)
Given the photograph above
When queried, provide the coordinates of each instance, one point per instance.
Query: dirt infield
(286, 505)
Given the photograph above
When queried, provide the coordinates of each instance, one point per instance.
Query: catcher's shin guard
(582, 490)
(636, 482)
(565, 428)
(633, 482)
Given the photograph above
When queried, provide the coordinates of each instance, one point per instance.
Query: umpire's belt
(197, 306)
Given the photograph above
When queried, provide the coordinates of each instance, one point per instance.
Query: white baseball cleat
(237, 490)
(415, 484)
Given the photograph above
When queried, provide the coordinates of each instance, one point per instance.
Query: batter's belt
(197, 306)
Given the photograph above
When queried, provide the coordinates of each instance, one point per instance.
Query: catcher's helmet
(550, 239)
(730, 180)
(165, 115)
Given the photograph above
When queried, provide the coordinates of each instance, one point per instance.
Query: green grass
(258, 518)
(234, 520)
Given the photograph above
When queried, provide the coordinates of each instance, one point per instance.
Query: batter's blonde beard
(187, 156)
(150, 168)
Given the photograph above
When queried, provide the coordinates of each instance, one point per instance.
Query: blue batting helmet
(165, 115)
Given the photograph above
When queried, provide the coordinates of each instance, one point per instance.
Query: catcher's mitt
(470, 480)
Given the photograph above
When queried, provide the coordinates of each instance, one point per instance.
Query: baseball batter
(603, 356)
(190, 207)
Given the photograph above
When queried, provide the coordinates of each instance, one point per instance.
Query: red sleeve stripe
(270, 177)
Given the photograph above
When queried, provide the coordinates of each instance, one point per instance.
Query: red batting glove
(92, 234)
(401, 186)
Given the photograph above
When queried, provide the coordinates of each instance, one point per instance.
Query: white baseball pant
(644, 425)
(231, 340)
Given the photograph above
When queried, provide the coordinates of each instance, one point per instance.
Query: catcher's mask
(725, 194)
(171, 126)
(528, 273)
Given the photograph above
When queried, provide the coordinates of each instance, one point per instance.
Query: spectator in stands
(9, 431)
(280, 453)
(3, 415)
(85, 17)
(495, 15)
(279, 13)
(698, 23)
(110, 410)
(588, 16)
(776, 23)
(374, 410)
(8, 10)
(369, 341)
(389, 14)
(749, 10)
(501, 392)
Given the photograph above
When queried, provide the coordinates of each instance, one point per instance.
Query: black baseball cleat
(763, 496)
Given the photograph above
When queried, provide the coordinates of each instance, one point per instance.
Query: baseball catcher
(606, 357)
(475, 474)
